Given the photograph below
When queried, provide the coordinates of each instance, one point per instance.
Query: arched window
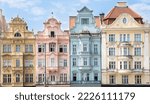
(17, 35)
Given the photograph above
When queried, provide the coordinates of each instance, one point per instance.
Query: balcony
(52, 69)
(84, 53)
(138, 70)
(111, 70)
(17, 68)
(17, 54)
(125, 56)
(124, 70)
(85, 68)
(124, 43)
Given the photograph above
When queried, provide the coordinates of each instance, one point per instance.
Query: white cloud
(29, 6)
(142, 9)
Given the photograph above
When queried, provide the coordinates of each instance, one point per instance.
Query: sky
(35, 12)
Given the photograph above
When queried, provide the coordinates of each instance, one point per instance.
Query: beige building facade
(125, 48)
(18, 55)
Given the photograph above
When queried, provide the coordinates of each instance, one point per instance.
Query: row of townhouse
(111, 50)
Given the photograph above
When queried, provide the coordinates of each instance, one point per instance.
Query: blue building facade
(85, 48)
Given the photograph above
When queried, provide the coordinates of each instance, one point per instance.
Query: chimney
(121, 4)
(101, 17)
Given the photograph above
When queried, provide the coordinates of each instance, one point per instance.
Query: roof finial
(52, 14)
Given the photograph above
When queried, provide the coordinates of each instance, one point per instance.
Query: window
(74, 49)
(112, 65)
(52, 78)
(65, 77)
(120, 65)
(41, 48)
(124, 79)
(61, 77)
(61, 62)
(28, 63)
(40, 78)
(6, 78)
(124, 20)
(137, 65)
(63, 48)
(124, 37)
(125, 65)
(95, 76)
(85, 61)
(84, 47)
(112, 79)
(125, 51)
(29, 48)
(84, 21)
(6, 48)
(95, 62)
(17, 77)
(17, 35)
(74, 63)
(17, 48)
(111, 37)
(137, 79)
(52, 62)
(41, 63)
(74, 77)
(137, 37)
(52, 47)
(95, 49)
(17, 63)
(52, 33)
(87, 77)
(137, 51)
(6, 63)
(29, 78)
(111, 51)
(65, 63)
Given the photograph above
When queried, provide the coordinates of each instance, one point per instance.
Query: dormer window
(17, 35)
(84, 21)
(52, 33)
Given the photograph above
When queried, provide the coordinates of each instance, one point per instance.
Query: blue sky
(35, 12)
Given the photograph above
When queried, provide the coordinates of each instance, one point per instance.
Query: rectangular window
(125, 51)
(65, 63)
(74, 63)
(124, 37)
(7, 48)
(28, 63)
(6, 63)
(137, 65)
(137, 51)
(17, 48)
(137, 37)
(120, 65)
(84, 21)
(29, 48)
(85, 61)
(95, 61)
(52, 47)
(95, 49)
(137, 79)
(52, 33)
(41, 63)
(65, 77)
(52, 78)
(111, 37)
(61, 62)
(61, 77)
(111, 51)
(29, 78)
(17, 77)
(6, 78)
(95, 76)
(40, 78)
(41, 48)
(112, 79)
(84, 47)
(17, 63)
(74, 49)
(65, 48)
(52, 62)
(61, 48)
(124, 79)
(125, 65)
(112, 65)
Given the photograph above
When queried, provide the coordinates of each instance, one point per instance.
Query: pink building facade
(56, 56)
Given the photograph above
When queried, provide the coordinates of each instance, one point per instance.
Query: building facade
(54, 62)
(3, 27)
(18, 55)
(125, 48)
(85, 48)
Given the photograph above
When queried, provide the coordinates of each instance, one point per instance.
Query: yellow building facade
(18, 55)
(126, 47)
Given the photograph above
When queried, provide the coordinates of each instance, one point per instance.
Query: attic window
(52, 33)
(85, 21)
(17, 34)
(124, 20)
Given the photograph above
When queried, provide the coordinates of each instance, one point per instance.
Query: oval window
(124, 20)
